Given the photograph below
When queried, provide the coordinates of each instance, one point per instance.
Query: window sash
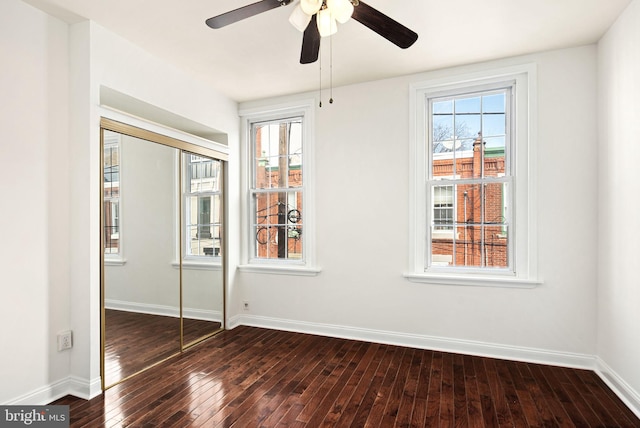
(202, 236)
(276, 200)
(456, 239)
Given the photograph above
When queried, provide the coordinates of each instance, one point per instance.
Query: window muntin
(469, 179)
(111, 172)
(202, 207)
(277, 190)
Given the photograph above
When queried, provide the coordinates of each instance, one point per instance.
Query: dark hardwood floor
(252, 377)
(135, 341)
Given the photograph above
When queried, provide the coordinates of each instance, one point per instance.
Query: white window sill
(280, 270)
(473, 280)
(114, 261)
(197, 265)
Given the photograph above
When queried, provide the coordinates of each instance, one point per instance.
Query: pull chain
(320, 90)
(331, 70)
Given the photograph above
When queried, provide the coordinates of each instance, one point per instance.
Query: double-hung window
(279, 213)
(277, 189)
(472, 196)
(202, 207)
(112, 187)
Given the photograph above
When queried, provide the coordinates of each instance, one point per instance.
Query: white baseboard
(627, 394)
(81, 388)
(166, 311)
(483, 349)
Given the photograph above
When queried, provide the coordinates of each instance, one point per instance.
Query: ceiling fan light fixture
(340, 9)
(326, 23)
(310, 7)
(299, 18)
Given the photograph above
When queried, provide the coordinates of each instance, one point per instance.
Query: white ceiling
(259, 57)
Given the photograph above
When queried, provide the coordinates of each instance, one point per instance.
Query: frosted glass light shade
(310, 7)
(299, 19)
(326, 23)
(340, 9)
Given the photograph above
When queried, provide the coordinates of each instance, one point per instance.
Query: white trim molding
(418, 341)
(249, 116)
(72, 385)
(523, 272)
(163, 310)
(622, 389)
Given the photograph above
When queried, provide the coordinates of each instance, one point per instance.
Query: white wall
(361, 163)
(50, 83)
(619, 237)
(34, 301)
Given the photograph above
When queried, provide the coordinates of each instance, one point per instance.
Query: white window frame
(307, 265)
(192, 261)
(116, 259)
(523, 166)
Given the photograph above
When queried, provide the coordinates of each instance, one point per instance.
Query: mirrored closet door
(163, 281)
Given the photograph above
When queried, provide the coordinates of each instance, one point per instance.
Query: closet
(163, 248)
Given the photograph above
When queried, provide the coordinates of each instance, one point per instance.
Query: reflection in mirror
(141, 293)
(202, 274)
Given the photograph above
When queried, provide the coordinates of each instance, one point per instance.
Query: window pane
(467, 125)
(278, 167)
(203, 225)
(443, 207)
(468, 105)
(494, 103)
(202, 206)
(469, 221)
(442, 250)
(495, 247)
(111, 192)
(278, 227)
(495, 204)
(203, 174)
(493, 125)
(278, 155)
(111, 226)
(442, 127)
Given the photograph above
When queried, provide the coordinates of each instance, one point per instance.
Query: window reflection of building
(202, 206)
(111, 171)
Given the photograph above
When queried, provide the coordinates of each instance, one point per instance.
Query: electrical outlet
(245, 305)
(65, 340)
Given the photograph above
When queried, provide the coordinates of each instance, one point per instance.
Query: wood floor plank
(435, 391)
(371, 394)
(617, 412)
(487, 401)
(474, 406)
(419, 414)
(352, 378)
(447, 398)
(382, 397)
(252, 377)
(409, 393)
(460, 409)
(364, 384)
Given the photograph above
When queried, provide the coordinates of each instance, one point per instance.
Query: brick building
(469, 222)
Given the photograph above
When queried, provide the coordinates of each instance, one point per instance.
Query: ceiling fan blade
(388, 28)
(244, 12)
(310, 43)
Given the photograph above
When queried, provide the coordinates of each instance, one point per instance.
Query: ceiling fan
(317, 18)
